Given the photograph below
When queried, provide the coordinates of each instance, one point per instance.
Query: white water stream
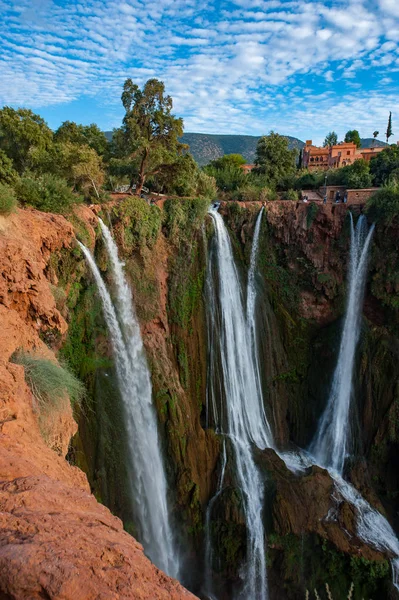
(245, 419)
(330, 445)
(147, 476)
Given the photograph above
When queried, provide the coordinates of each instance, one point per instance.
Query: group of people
(338, 199)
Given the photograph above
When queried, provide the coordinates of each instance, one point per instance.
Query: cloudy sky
(299, 67)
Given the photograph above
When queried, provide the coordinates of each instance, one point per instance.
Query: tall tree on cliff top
(331, 139)
(273, 158)
(22, 133)
(389, 127)
(353, 136)
(149, 133)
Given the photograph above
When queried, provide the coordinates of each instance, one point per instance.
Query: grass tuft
(50, 383)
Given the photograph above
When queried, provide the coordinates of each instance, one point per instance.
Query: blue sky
(300, 67)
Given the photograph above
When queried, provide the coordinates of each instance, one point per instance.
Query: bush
(8, 199)
(290, 195)
(48, 193)
(383, 206)
(50, 383)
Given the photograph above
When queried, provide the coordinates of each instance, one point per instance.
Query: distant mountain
(370, 142)
(206, 147)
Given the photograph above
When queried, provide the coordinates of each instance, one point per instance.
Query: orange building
(247, 168)
(334, 157)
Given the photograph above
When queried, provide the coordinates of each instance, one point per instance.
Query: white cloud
(239, 70)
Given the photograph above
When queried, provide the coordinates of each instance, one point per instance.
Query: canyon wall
(53, 307)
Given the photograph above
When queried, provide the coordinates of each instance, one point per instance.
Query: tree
(330, 140)
(149, 132)
(228, 160)
(357, 175)
(22, 132)
(385, 165)
(389, 131)
(375, 135)
(8, 175)
(273, 158)
(90, 135)
(353, 136)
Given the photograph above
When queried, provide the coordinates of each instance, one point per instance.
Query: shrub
(48, 193)
(7, 172)
(50, 383)
(290, 195)
(141, 222)
(383, 206)
(8, 199)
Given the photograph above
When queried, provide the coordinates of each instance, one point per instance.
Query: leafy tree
(90, 135)
(331, 139)
(8, 174)
(228, 160)
(273, 158)
(86, 169)
(149, 133)
(383, 206)
(389, 131)
(79, 164)
(21, 132)
(385, 165)
(353, 136)
(47, 192)
(357, 175)
(376, 134)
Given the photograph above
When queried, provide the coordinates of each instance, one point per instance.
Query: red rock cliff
(56, 540)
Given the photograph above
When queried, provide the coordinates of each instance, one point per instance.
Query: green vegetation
(8, 199)
(47, 192)
(50, 383)
(383, 206)
(141, 222)
(148, 138)
(274, 159)
(331, 139)
(353, 136)
(307, 563)
(384, 167)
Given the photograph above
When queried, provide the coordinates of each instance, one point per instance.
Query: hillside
(206, 146)
(370, 142)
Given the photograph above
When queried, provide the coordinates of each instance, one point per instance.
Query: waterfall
(245, 422)
(147, 476)
(330, 444)
(208, 541)
(251, 321)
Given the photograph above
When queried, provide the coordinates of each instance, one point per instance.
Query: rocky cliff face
(49, 303)
(56, 541)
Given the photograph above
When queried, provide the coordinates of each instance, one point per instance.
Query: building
(334, 157)
(247, 168)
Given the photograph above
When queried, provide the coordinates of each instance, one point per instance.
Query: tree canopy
(274, 159)
(353, 136)
(331, 139)
(148, 138)
(385, 165)
(90, 135)
(21, 132)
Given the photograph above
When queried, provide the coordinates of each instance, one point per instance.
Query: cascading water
(330, 444)
(329, 447)
(245, 419)
(251, 298)
(208, 542)
(147, 477)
